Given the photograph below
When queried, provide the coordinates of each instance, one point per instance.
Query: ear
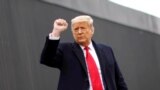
(92, 30)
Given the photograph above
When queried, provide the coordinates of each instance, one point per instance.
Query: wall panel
(24, 24)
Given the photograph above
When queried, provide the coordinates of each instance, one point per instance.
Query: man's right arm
(51, 55)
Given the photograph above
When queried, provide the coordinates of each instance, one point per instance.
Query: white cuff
(52, 37)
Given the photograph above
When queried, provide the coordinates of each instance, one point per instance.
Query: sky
(151, 7)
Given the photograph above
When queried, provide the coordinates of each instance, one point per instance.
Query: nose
(79, 30)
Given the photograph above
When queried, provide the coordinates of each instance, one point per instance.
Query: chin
(82, 42)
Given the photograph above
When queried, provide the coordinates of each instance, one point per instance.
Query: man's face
(82, 32)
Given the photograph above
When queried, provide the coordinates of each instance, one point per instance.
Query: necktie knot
(86, 48)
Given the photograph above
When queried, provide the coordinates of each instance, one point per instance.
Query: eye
(76, 29)
(83, 28)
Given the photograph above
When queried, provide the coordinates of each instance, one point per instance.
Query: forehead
(82, 23)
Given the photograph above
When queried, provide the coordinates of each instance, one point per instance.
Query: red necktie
(93, 71)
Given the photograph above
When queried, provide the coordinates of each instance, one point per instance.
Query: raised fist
(59, 26)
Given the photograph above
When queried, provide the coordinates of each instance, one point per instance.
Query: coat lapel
(79, 53)
(103, 64)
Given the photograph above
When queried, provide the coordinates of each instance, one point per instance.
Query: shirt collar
(90, 46)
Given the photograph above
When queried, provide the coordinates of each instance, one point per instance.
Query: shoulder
(67, 46)
(103, 46)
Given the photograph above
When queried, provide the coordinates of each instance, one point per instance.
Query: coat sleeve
(51, 55)
(120, 83)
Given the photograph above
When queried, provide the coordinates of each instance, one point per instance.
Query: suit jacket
(70, 60)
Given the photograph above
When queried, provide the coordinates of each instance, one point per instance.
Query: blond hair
(82, 18)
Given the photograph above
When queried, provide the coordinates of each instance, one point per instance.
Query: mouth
(80, 37)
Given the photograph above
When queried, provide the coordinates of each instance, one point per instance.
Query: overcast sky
(148, 6)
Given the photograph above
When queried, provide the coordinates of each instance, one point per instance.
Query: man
(84, 64)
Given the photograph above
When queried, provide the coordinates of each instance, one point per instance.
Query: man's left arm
(121, 85)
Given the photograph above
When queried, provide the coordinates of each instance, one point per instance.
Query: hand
(59, 26)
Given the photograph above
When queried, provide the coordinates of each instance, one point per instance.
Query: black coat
(69, 59)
